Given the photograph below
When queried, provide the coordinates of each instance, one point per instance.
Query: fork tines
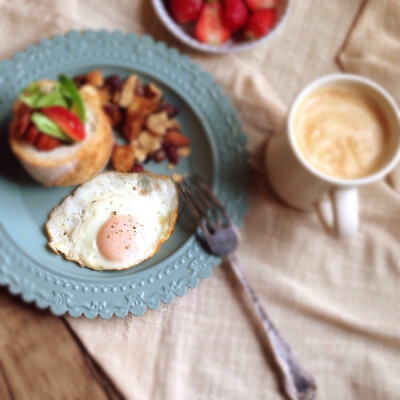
(206, 208)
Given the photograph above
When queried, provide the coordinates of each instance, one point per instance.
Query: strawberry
(211, 27)
(255, 5)
(31, 134)
(41, 142)
(24, 118)
(184, 11)
(45, 142)
(259, 23)
(68, 122)
(52, 143)
(235, 13)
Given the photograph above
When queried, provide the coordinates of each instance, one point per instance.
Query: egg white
(151, 200)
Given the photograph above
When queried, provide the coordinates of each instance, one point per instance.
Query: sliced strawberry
(255, 5)
(259, 23)
(184, 11)
(31, 134)
(68, 122)
(46, 142)
(235, 13)
(22, 109)
(211, 27)
(23, 121)
(53, 143)
(41, 142)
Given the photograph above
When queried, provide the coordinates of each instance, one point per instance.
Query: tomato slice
(68, 122)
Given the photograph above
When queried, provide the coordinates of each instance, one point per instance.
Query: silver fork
(221, 237)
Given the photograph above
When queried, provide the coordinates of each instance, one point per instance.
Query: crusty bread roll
(69, 164)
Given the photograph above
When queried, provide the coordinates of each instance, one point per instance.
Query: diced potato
(95, 78)
(155, 91)
(158, 123)
(123, 157)
(140, 153)
(177, 177)
(143, 106)
(183, 152)
(104, 95)
(128, 91)
(149, 142)
(133, 126)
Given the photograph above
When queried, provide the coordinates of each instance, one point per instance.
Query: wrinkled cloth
(373, 50)
(336, 302)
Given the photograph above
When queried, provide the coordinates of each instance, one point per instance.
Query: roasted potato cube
(183, 152)
(149, 142)
(140, 152)
(95, 78)
(158, 123)
(142, 106)
(104, 95)
(123, 157)
(127, 92)
(153, 92)
(133, 126)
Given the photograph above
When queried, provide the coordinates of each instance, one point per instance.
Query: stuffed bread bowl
(60, 134)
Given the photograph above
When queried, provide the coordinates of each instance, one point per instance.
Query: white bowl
(184, 34)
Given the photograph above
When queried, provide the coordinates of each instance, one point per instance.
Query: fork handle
(299, 384)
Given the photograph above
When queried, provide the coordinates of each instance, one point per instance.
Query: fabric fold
(373, 50)
(373, 46)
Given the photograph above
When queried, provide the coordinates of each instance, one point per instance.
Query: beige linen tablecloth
(336, 302)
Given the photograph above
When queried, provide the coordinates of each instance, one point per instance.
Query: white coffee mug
(302, 186)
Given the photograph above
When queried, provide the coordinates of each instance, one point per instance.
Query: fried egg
(114, 221)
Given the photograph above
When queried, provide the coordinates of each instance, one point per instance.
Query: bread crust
(84, 162)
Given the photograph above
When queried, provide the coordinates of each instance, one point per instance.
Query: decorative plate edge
(61, 308)
(59, 301)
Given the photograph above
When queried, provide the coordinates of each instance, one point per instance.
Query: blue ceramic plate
(28, 267)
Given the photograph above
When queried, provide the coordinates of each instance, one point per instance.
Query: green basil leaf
(69, 90)
(53, 98)
(31, 100)
(57, 88)
(31, 88)
(46, 125)
(64, 89)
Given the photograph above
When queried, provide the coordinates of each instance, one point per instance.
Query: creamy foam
(342, 132)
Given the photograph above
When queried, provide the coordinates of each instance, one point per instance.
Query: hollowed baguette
(69, 164)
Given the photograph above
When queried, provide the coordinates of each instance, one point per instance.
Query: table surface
(40, 357)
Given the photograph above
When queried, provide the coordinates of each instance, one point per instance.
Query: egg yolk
(117, 238)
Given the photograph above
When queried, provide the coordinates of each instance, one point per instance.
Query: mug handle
(338, 213)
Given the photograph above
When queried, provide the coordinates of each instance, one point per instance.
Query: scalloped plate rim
(60, 302)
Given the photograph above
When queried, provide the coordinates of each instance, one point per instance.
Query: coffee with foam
(342, 132)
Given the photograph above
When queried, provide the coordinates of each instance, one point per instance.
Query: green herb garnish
(32, 99)
(69, 89)
(33, 87)
(46, 125)
(53, 98)
(64, 93)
